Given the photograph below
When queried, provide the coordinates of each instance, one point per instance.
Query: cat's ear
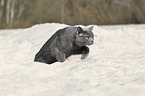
(79, 30)
(90, 28)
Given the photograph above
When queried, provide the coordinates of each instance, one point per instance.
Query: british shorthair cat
(64, 43)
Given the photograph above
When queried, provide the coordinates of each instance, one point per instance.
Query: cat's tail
(38, 58)
(41, 57)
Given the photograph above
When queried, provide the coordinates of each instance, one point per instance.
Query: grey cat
(64, 43)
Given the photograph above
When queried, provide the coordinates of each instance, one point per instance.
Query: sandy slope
(115, 66)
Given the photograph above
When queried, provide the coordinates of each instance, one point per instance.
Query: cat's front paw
(84, 56)
(85, 52)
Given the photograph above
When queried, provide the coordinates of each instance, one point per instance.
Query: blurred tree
(3, 13)
(25, 13)
(10, 9)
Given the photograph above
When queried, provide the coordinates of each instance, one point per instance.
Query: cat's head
(84, 36)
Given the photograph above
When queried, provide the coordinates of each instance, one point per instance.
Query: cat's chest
(70, 47)
(76, 47)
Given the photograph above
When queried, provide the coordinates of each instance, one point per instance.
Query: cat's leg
(85, 52)
(60, 56)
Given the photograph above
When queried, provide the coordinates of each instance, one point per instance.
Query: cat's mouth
(90, 43)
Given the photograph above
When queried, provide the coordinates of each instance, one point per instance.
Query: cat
(64, 43)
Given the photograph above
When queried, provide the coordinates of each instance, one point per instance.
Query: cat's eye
(87, 37)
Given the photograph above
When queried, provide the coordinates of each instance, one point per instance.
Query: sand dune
(114, 67)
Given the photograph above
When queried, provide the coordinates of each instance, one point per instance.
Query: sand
(114, 67)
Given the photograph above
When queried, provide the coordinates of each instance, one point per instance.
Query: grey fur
(64, 43)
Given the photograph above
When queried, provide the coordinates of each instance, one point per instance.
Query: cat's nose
(92, 41)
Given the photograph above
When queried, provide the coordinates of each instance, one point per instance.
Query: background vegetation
(25, 13)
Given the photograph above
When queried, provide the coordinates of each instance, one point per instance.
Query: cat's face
(84, 36)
